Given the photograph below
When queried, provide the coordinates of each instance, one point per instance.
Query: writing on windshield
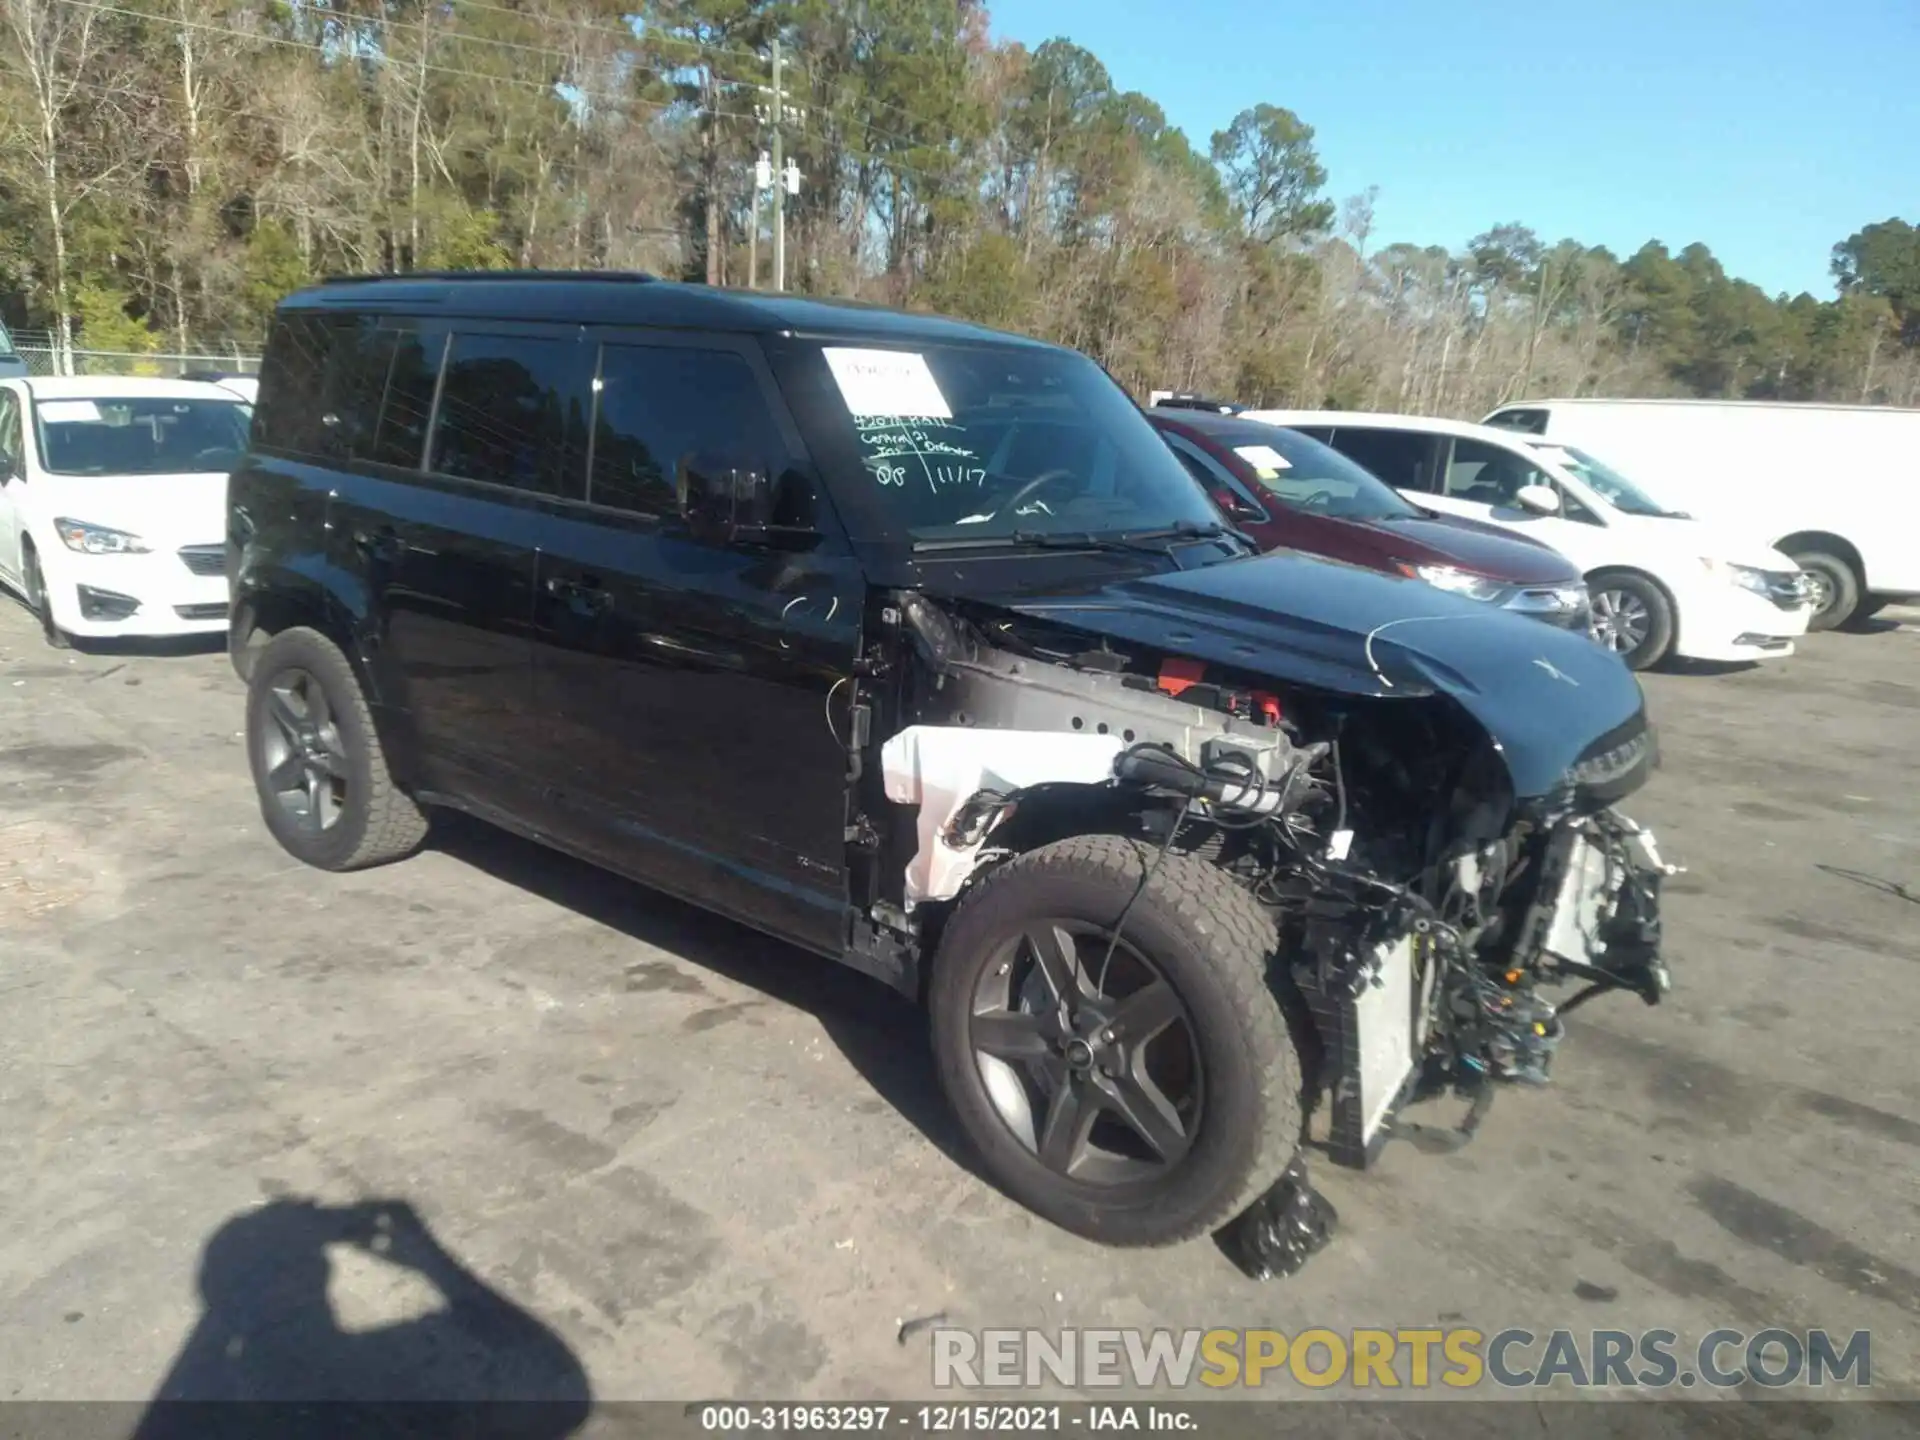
(905, 449)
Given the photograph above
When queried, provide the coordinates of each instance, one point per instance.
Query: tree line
(170, 168)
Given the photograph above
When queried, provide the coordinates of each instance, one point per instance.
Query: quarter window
(12, 459)
(658, 406)
(512, 412)
(296, 387)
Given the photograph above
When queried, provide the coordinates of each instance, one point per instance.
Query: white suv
(1663, 584)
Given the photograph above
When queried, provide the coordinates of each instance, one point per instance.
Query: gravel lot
(712, 1166)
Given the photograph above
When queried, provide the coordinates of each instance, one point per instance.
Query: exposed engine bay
(1424, 906)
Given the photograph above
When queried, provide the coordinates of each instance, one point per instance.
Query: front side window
(513, 412)
(962, 443)
(1399, 457)
(1489, 475)
(139, 435)
(659, 407)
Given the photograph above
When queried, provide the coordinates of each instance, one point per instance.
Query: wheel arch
(1837, 546)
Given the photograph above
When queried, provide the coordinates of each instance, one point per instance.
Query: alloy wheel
(304, 763)
(1822, 590)
(1098, 1075)
(1621, 621)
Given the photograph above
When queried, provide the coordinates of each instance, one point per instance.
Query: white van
(1837, 487)
(1661, 584)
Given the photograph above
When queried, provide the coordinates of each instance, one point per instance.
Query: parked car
(1285, 489)
(911, 643)
(1662, 584)
(12, 366)
(1837, 487)
(113, 511)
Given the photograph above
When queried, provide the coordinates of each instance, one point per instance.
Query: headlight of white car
(97, 539)
(1460, 582)
(1745, 576)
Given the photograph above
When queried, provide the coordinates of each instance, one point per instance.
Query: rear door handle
(588, 596)
(382, 544)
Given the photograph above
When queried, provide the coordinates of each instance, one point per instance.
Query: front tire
(1142, 1106)
(1836, 587)
(1632, 617)
(325, 790)
(37, 599)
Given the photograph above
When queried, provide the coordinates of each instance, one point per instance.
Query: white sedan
(113, 506)
(1663, 584)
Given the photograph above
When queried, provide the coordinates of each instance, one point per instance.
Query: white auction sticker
(68, 412)
(887, 382)
(1266, 461)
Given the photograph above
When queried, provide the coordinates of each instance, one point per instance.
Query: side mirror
(1541, 499)
(1232, 506)
(723, 500)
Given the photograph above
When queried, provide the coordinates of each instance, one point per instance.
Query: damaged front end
(1440, 849)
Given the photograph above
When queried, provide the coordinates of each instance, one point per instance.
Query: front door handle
(587, 597)
(382, 544)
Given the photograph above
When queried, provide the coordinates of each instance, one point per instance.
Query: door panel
(449, 578)
(13, 467)
(685, 688)
(686, 683)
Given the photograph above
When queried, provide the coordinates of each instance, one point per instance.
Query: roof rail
(634, 277)
(1181, 400)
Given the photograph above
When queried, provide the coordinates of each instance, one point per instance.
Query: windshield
(143, 435)
(976, 443)
(1300, 472)
(1612, 486)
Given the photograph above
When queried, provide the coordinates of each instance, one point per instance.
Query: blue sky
(1769, 129)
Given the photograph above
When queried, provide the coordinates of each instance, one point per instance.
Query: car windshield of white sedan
(964, 443)
(1613, 487)
(139, 435)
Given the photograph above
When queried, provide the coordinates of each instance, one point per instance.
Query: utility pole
(779, 182)
(778, 173)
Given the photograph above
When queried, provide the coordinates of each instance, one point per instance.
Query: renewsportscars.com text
(1415, 1359)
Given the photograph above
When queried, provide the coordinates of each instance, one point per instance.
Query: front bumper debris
(1415, 1008)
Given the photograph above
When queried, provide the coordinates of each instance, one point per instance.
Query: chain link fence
(44, 357)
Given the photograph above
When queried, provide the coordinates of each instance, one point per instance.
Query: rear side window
(405, 396)
(658, 405)
(513, 412)
(1398, 457)
(320, 386)
(10, 436)
(295, 380)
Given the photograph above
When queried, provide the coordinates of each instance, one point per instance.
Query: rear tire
(1839, 588)
(325, 790)
(1632, 617)
(1198, 947)
(1870, 607)
(37, 601)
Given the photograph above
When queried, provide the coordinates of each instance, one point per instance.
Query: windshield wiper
(1136, 541)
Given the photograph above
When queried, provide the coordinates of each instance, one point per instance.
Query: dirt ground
(659, 1156)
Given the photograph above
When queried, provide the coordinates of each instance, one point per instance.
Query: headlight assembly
(97, 539)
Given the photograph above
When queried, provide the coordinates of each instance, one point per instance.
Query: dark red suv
(1289, 491)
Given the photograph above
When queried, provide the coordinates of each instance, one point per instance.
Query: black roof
(624, 298)
(1229, 429)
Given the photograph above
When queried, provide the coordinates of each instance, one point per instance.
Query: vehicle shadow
(270, 1356)
(1702, 669)
(882, 1035)
(159, 647)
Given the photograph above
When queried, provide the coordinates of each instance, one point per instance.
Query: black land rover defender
(911, 643)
